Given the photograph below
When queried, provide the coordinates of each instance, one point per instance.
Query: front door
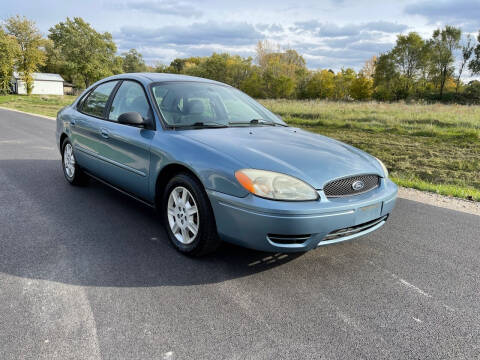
(126, 148)
(86, 124)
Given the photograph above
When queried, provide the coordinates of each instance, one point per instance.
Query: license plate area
(368, 213)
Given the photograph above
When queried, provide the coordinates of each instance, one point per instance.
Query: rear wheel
(188, 216)
(73, 173)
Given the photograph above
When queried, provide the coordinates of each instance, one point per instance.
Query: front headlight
(275, 186)
(385, 170)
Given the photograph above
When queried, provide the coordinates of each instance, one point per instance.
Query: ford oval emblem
(358, 185)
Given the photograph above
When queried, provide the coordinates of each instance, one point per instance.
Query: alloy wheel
(69, 160)
(183, 216)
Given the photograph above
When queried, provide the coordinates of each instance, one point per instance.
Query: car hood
(313, 158)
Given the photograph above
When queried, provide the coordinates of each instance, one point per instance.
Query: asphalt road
(87, 273)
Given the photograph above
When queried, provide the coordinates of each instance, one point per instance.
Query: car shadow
(95, 236)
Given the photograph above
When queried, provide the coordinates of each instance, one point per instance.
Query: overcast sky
(329, 34)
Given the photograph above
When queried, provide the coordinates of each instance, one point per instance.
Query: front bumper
(269, 225)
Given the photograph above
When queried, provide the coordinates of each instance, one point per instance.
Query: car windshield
(200, 105)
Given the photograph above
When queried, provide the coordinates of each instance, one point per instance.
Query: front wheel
(188, 216)
(73, 173)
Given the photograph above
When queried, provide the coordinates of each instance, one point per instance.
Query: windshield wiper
(200, 124)
(256, 122)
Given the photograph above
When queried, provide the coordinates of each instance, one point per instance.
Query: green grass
(47, 105)
(428, 147)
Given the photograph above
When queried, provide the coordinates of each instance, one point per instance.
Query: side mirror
(132, 118)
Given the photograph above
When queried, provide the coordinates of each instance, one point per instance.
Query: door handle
(104, 133)
(72, 122)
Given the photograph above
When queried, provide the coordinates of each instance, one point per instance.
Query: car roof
(147, 78)
(151, 77)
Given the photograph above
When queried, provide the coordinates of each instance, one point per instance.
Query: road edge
(447, 202)
(28, 113)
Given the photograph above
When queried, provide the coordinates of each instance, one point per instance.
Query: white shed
(43, 83)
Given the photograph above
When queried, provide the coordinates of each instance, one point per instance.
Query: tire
(73, 173)
(182, 196)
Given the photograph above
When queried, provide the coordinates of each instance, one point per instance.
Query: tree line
(415, 68)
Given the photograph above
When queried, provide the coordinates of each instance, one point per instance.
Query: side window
(130, 97)
(95, 103)
(159, 93)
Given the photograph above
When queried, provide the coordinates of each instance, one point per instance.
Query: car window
(238, 110)
(159, 93)
(98, 98)
(130, 97)
(188, 103)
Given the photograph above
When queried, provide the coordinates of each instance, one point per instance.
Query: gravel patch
(448, 202)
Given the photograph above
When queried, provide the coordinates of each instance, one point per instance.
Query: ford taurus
(217, 165)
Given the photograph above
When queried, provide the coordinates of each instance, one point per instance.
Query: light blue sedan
(217, 165)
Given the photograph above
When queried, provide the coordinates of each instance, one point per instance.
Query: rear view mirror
(132, 118)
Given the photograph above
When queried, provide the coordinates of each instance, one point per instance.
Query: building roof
(41, 76)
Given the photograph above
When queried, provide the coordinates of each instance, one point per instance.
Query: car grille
(345, 186)
(288, 239)
(352, 230)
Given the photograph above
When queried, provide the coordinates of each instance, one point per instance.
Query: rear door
(86, 125)
(126, 150)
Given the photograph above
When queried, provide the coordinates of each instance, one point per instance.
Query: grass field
(37, 104)
(429, 147)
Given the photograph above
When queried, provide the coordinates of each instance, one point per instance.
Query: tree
(442, 45)
(30, 42)
(87, 55)
(276, 66)
(472, 91)
(254, 85)
(263, 49)
(368, 69)
(282, 87)
(343, 83)
(386, 78)
(361, 88)
(238, 70)
(161, 68)
(467, 51)
(53, 61)
(321, 85)
(409, 58)
(474, 64)
(133, 62)
(213, 67)
(9, 51)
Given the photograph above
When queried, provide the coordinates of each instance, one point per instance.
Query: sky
(329, 34)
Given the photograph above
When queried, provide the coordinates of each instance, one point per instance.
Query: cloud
(236, 33)
(342, 42)
(385, 26)
(159, 7)
(462, 13)
(272, 28)
(371, 47)
(309, 25)
(333, 62)
(452, 10)
(332, 30)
